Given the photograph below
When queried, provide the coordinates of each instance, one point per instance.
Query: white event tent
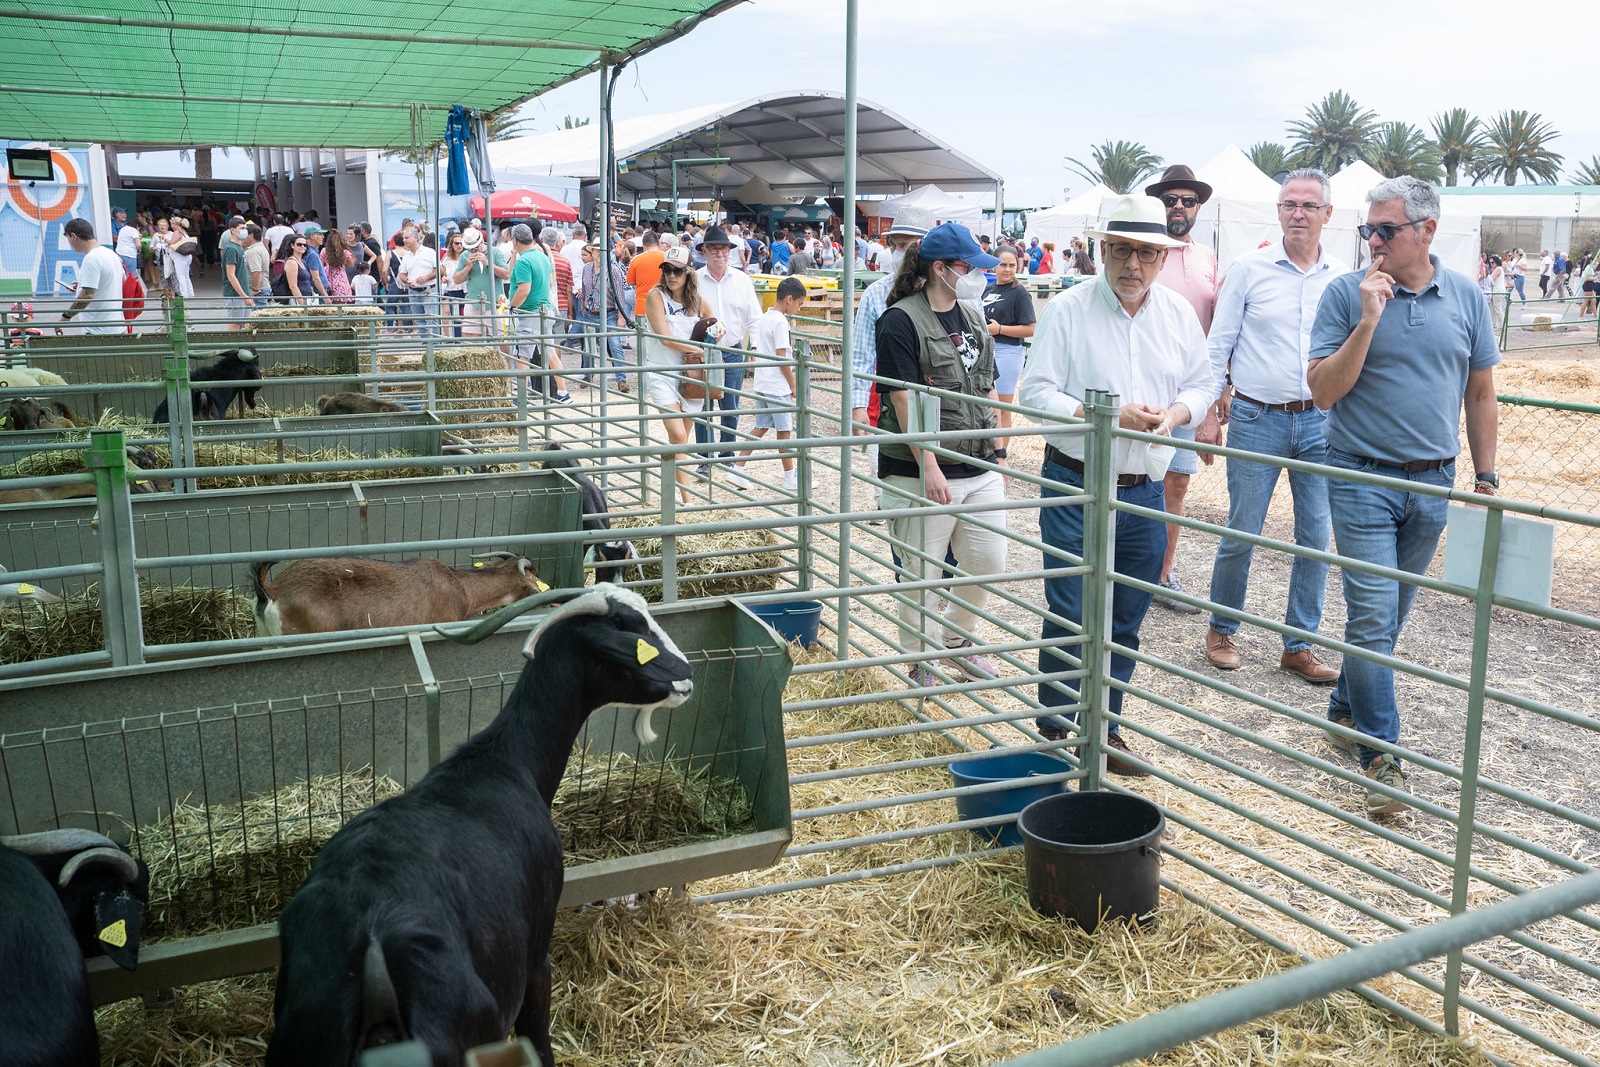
(1060, 224)
(936, 202)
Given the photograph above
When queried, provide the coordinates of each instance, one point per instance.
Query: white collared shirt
(1261, 333)
(1086, 340)
(733, 301)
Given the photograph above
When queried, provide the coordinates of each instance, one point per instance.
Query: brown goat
(313, 596)
(355, 404)
(138, 459)
(31, 413)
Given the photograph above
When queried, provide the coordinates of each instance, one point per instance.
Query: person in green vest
(933, 335)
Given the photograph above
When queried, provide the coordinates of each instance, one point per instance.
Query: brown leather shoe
(1121, 760)
(1221, 651)
(1306, 664)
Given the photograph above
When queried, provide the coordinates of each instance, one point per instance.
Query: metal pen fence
(1264, 831)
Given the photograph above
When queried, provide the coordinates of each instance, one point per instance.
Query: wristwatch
(1491, 478)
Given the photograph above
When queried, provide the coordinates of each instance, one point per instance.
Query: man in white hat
(1123, 334)
(910, 225)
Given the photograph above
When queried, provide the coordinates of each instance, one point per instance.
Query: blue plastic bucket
(795, 620)
(1021, 768)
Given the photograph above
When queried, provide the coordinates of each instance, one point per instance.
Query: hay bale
(227, 866)
(470, 392)
(1541, 324)
(171, 615)
(722, 573)
(314, 316)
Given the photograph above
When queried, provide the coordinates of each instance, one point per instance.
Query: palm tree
(1516, 146)
(1269, 157)
(570, 123)
(1332, 133)
(1459, 139)
(1120, 165)
(1401, 148)
(1587, 173)
(506, 124)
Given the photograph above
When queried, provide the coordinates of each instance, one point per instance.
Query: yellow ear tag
(647, 652)
(23, 589)
(541, 585)
(116, 934)
(475, 566)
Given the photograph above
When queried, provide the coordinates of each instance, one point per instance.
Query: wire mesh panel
(229, 801)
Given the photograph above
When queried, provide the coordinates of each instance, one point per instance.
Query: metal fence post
(1466, 814)
(669, 517)
(107, 460)
(1099, 552)
(180, 402)
(802, 463)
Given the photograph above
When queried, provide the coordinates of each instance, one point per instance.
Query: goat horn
(491, 623)
(525, 568)
(114, 858)
(494, 555)
(55, 842)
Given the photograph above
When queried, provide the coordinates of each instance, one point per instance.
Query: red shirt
(563, 275)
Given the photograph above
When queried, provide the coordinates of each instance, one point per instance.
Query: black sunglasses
(1173, 200)
(674, 270)
(1385, 230)
(302, 244)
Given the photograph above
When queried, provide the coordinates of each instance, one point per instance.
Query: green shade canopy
(302, 73)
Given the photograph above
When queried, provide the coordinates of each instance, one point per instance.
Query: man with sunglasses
(1397, 352)
(1190, 271)
(1260, 340)
(1120, 333)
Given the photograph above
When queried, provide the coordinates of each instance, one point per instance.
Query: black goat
(234, 366)
(63, 895)
(596, 516)
(429, 916)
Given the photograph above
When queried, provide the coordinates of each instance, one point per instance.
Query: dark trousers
(732, 378)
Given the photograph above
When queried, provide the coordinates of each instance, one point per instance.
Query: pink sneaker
(974, 666)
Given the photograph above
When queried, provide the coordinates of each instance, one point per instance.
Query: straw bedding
(725, 571)
(207, 454)
(171, 615)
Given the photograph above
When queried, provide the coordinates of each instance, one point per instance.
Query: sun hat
(951, 240)
(1179, 176)
(911, 222)
(1136, 218)
(471, 237)
(716, 235)
(677, 256)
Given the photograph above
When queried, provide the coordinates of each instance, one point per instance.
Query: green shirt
(233, 252)
(532, 266)
(483, 288)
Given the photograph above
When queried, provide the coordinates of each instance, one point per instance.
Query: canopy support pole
(847, 319)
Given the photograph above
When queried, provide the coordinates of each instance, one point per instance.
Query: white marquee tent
(1062, 223)
(938, 203)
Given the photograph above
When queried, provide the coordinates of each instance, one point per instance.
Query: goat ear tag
(23, 589)
(544, 587)
(477, 566)
(646, 651)
(116, 934)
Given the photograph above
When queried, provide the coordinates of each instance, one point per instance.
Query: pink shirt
(1191, 272)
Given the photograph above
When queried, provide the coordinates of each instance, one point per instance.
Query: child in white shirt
(362, 283)
(774, 379)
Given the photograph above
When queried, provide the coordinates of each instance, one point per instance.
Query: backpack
(133, 294)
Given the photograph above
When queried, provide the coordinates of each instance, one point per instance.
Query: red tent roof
(525, 204)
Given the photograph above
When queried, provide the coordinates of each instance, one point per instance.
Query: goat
(429, 916)
(235, 366)
(34, 413)
(29, 378)
(25, 592)
(313, 596)
(596, 517)
(137, 458)
(63, 895)
(355, 404)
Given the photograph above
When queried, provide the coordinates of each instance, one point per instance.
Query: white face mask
(970, 286)
(896, 256)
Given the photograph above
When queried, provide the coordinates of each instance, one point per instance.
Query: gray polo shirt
(1406, 405)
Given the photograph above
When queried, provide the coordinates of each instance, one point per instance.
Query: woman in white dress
(179, 262)
(673, 307)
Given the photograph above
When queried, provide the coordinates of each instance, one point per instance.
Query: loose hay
(620, 807)
(171, 615)
(313, 316)
(726, 568)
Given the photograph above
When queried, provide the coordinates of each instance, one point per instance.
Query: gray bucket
(1093, 854)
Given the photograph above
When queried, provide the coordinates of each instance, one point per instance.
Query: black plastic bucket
(1093, 854)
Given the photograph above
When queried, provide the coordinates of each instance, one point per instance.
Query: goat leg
(533, 1021)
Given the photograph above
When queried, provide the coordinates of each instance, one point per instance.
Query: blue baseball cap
(951, 240)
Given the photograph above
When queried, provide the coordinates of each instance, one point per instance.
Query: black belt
(1414, 466)
(1296, 406)
(1052, 454)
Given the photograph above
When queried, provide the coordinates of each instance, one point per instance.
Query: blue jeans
(1518, 279)
(1290, 435)
(591, 325)
(1140, 544)
(732, 378)
(1392, 528)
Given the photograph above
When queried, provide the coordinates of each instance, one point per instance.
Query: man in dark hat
(1191, 272)
(729, 296)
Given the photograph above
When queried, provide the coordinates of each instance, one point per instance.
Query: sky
(1020, 85)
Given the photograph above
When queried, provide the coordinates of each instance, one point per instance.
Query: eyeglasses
(1145, 253)
(1173, 200)
(1385, 230)
(1289, 207)
(300, 244)
(673, 271)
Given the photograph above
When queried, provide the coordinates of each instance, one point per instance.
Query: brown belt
(1052, 454)
(1414, 466)
(1298, 405)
